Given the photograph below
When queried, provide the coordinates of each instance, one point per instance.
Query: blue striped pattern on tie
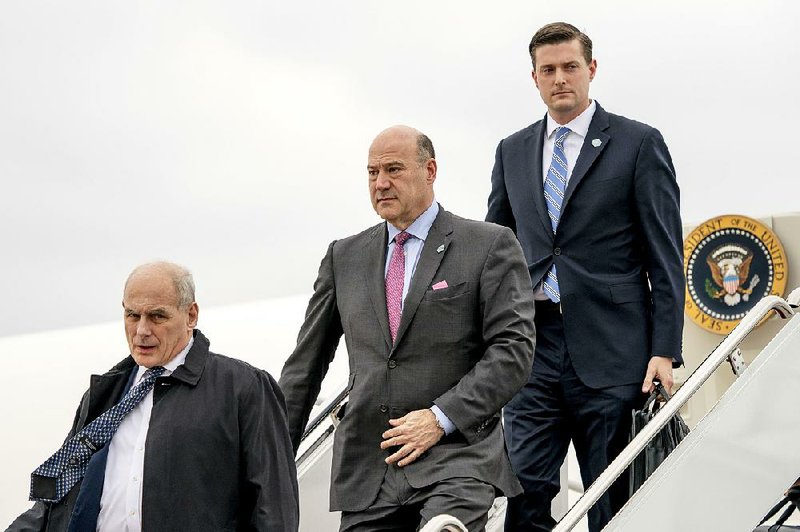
(555, 184)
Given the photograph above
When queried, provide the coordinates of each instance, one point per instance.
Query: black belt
(545, 306)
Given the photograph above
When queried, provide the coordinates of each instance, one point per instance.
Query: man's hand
(416, 432)
(660, 369)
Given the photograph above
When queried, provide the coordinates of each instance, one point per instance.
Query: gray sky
(232, 136)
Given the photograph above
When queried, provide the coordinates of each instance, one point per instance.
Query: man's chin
(386, 213)
(147, 360)
(564, 104)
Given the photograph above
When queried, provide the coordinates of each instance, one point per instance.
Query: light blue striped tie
(554, 186)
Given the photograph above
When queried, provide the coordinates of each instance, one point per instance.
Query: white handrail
(794, 298)
(671, 407)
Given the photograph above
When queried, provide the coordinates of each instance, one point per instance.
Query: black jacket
(218, 454)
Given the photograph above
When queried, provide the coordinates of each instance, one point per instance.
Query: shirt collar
(579, 124)
(173, 364)
(419, 227)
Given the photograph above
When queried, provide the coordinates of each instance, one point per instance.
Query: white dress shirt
(579, 127)
(121, 501)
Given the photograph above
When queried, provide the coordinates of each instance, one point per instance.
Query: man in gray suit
(437, 315)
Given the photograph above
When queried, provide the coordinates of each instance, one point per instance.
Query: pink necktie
(394, 283)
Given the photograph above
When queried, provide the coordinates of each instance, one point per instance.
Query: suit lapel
(533, 184)
(433, 251)
(105, 390)
(374, 279)
(589, 152)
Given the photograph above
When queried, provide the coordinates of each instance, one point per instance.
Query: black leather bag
(661, 445)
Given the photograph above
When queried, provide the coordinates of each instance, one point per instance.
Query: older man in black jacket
(198, 441)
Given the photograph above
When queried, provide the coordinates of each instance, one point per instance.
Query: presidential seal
(730, 263)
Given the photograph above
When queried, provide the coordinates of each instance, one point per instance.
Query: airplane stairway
(739, 459)
(733, 466)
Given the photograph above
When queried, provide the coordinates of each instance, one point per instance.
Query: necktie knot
(401, 238)
(153, 373)
(561, 135)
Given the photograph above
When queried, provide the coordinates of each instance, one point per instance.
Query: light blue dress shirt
(418, 230)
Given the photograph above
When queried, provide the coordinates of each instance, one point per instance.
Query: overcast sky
(231, 136)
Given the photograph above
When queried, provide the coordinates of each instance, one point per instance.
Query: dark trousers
(553, 408)
(402, 508)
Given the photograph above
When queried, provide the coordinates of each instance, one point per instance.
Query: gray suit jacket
(467, 348)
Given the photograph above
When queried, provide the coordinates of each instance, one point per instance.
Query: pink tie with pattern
(394, 282)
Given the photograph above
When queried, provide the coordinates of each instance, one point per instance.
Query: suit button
(557, 251)
(392, 364)
(384, 409)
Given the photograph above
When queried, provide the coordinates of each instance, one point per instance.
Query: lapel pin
(440, 249)
(596, 142)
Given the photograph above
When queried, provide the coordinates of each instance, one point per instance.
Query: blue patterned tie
(68, 465)
(554, 186)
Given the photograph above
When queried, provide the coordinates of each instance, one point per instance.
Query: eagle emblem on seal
(731, 262)
(730, 269)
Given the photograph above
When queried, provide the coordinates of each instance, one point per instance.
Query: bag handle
(659, 391)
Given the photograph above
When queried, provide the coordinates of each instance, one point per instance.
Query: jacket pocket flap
(624, 293)
(447, 293)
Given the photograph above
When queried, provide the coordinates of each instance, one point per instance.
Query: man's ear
(535, 81)
(194, 312)
(430, 168)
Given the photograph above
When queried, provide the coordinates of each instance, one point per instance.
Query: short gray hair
(181, 278)
(424, 148)
(184, 287)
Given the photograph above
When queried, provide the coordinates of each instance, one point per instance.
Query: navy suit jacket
(617, 248)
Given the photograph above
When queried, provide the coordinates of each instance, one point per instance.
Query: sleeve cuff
(443, 420)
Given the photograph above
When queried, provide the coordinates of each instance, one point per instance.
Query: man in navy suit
(592, 198)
